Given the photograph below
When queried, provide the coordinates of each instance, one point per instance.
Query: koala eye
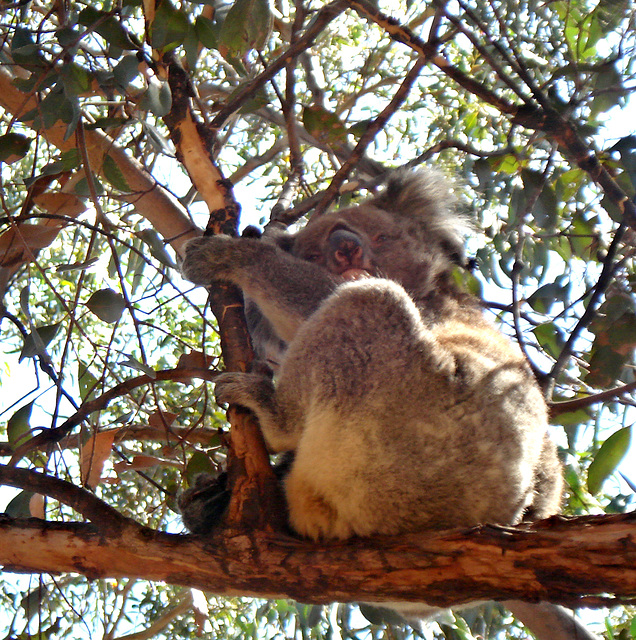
(380, 238)
(313, 257)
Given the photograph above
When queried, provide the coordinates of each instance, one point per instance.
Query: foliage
(511, 98)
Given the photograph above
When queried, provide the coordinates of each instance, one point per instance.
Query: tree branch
(151, 200)
(84, 502)
(54, 435)
(587, 561)
(251, 479)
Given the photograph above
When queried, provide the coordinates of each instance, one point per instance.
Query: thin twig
(55, 434)
(602, 283)
(322, 18)
(372, 130)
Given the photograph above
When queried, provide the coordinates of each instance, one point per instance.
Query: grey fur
(406, 409)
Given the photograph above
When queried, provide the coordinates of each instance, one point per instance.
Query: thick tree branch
(151, 200)
(254, 490)
(588, 561)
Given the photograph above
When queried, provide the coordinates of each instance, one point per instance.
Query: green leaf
(107, 305)
(549, 337)
(169, 27)
(157, 247)
(126, 70)
(68, 161)
(107, 26)
(36, 342)
(544, 297)
(198, 463)
(133, 363)
(157, 98)
(86, 382)
(82, 189)
(208, 32)
(76, 79)
(13, 147)
(380, 615)
(323, 124)
(77, 266)
(114, 175)
(18, 426)
(25, 51)
(608, 458)
(247, 25)
(19, 506)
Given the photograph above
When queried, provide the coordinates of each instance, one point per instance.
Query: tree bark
(151, 200)
(586, 561)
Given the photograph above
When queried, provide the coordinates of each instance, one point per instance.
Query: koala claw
(251, 390)
(226, 388)
(205, 259)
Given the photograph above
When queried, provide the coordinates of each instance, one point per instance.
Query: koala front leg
(287, 290)
(256, 392)
(220, 257)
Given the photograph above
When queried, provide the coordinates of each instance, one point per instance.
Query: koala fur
(405, 408)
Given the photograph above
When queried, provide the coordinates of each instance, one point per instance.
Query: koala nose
(346, 248)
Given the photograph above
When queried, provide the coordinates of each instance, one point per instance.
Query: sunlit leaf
(64, 204)
(607, 459)
(95, 451)
(323, 125)
(87, 382)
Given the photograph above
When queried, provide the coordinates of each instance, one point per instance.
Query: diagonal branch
(251, 478)
(368, 136)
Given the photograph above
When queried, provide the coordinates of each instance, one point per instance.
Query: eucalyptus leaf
(608, 458)
(107, 305)
(18, 425)
(13, 147)
(35, 343)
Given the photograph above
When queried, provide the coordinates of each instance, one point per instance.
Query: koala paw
(208, 258)
(251, 390)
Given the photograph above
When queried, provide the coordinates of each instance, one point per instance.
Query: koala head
(410, 233)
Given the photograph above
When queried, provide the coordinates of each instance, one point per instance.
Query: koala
(404, 407)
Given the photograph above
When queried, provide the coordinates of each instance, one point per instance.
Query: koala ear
(424, 198)
(281, 238)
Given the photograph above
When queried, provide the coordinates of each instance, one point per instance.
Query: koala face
(366, 241)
